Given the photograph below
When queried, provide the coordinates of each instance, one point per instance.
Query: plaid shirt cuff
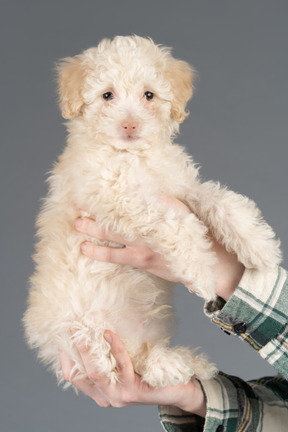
(175, 420)
(234, 405)
(231, 406)
(257, 314)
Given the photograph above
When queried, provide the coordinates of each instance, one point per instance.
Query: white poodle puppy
(124, 100)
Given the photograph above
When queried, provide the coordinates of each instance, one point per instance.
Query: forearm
(257, 313)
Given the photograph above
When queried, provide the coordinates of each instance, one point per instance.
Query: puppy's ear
(181, 77)
(71, 76)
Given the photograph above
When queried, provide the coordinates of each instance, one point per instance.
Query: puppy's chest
(124, 182)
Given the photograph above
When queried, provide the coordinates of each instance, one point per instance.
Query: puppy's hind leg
(236, 222)
(164, 366)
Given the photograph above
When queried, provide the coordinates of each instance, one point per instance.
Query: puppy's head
(127, 89)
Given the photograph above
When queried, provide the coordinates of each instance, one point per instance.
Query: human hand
(129, 389)
(227, 270)
(135, 254)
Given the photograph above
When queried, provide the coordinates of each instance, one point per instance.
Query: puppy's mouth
(130, 137)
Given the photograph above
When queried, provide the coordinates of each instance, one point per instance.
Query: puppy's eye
(149, 95)
(108, 96)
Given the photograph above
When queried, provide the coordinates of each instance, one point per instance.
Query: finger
(67, 365)
(87, 359)
(92, 390)
(137, 255)
(97, 386)
(85, 385)
(94, 229)
(123, 362)
(132, 256)
(89, 388)
(103, 253)
(69, 372)
(175, 203)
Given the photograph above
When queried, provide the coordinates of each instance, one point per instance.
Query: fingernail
(108, 338)
(78, 222)
(84, 247)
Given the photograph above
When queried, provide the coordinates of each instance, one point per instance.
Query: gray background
(237, 131)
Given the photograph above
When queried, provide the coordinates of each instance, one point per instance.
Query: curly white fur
(119, 159)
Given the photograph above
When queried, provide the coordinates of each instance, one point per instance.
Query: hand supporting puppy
(130, 389)
(136, 254)
(228, 271)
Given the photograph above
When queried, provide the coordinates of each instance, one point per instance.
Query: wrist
(228, 271)
(192, 398)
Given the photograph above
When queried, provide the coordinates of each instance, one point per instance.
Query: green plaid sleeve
(234, 405)
(258, 314)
